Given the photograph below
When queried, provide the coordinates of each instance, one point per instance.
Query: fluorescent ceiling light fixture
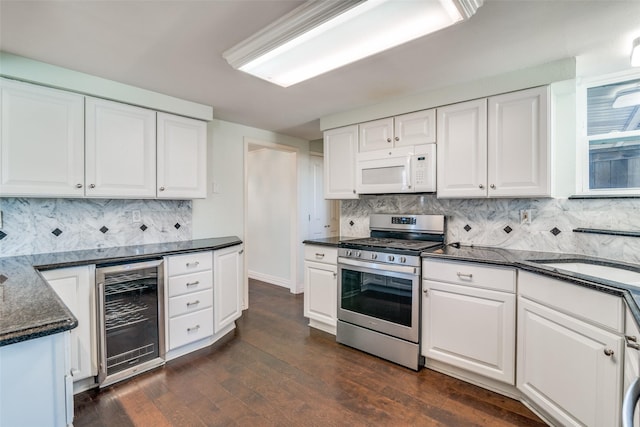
(627, 98)
(320, 36)
(635, 53)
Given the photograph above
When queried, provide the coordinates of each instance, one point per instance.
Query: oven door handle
(382, 267)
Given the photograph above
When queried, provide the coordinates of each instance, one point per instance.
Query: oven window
(376, 295)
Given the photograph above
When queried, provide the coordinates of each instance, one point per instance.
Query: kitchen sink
(606, 272)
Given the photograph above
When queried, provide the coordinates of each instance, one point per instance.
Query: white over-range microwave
(397, 170)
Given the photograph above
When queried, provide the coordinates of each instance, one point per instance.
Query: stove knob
(358, 254)
(374, 256)
(348, 253)
(403, 259)
(391, 258)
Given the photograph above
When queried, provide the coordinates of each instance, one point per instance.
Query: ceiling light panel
(365, 29)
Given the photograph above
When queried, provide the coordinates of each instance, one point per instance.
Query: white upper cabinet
(497, 151)
(41, 141)
(182, 157)
(400, 131)
(340, 147)
(462, 150)
(519, 144)
(120, 150)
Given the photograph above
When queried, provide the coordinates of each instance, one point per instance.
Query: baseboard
(205, 342)
(267, 278)
(330, 329)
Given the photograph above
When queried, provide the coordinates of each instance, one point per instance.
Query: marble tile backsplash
(483, 222)
(33, 226)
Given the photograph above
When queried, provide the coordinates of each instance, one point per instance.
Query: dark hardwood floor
(276, 371)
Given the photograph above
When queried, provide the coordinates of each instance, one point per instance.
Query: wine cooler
(130, 319)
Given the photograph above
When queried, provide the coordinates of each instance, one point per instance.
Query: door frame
(293, 227)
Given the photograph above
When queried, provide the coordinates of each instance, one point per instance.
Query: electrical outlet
(525, 216)
(135, 216)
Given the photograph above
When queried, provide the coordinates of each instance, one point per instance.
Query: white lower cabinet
(190, 298)
(228, 272)
(468, 318)
(76, 288)
(35, 385)
(568, 367)
(321, 287)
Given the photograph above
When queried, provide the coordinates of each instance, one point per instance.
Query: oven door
(380, 297)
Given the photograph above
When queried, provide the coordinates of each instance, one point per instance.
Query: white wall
(222, 213)
(271, 192)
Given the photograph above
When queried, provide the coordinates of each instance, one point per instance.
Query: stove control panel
(379, 257)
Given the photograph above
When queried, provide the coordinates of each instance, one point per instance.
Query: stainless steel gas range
(379, 281)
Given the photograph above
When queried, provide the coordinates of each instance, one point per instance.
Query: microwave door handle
(409, 170)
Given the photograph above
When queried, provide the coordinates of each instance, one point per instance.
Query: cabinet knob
(78, 185)
(397, 138)
(161, 188)
(608, 352)
(388, 139)
(493, 186)
(426, 292)
(481, 186)
(354, 191)
(335, 275)
(92, 186)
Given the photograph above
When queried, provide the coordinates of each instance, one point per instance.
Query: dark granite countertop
(328, 241)
(30, 308)
(535, 262)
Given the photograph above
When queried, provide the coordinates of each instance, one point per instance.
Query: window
(610, 137)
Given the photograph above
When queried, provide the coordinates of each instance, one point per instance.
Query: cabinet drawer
(190, 327)
(189, 263)
(470, 274)
(188, 283)
(590, 305)
(324, 254)
(190, 303)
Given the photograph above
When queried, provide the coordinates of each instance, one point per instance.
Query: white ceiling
(175, 47)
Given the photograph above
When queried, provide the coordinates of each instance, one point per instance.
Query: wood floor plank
(274, 370)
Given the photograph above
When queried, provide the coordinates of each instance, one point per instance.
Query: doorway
(270, 218)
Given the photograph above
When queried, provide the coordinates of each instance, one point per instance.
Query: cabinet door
(462, 150)
(227, 286)
(563, 367)
(321, 293)
(120, 150)
(340, 146)
(182, 157)
(518, 147)
(415, 128)
(41, 141)
(473, 329)
(76, 288)
(376, 135)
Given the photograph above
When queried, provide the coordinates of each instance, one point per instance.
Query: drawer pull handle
(195, 328)
(318, 255)
(468, 276)
(193, 264)
(196, 302)
(193, 283)
(631, 342)
(608, 352)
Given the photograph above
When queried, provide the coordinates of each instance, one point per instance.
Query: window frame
(582, 137)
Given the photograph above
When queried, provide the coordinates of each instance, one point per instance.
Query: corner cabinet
(76, 288)
(120, 150)
(469, 318)
(495, 147)
(321, 287)
(228, 273)
(340, 148)
(570, 351)
(41, 141)
(182, 157)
